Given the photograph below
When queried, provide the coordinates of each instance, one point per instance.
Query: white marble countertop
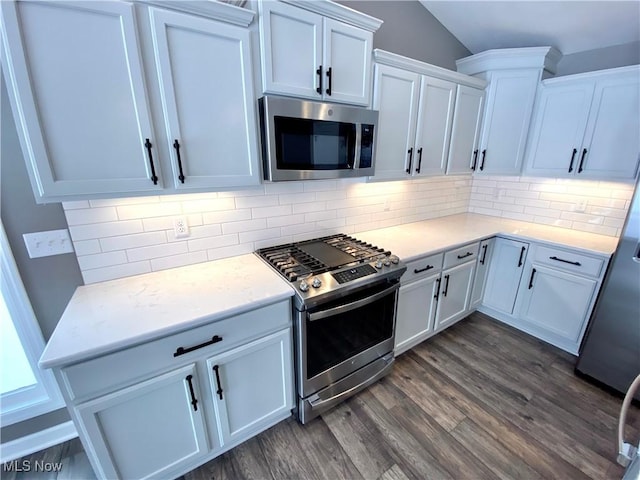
(108, 316)
(414, 240)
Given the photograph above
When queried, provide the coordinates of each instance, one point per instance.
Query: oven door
(341, 336)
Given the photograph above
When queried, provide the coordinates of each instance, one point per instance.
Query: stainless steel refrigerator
(610, 352)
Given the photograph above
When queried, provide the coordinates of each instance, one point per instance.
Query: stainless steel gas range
(344, 314)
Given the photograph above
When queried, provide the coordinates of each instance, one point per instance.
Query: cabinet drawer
(461, 255)
(103, 374)
(422, 267)
(569, 261)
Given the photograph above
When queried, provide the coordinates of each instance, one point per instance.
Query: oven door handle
(353, 305)
(318, 402)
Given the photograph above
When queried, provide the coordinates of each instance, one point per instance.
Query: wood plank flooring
(478, 401)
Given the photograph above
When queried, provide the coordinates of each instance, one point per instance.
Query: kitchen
(229, 223)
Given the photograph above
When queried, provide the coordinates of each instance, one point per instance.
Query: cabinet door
(505, 271)
(506, 122)
(433, 130)
(479, 281)
(556, 301)
(455, 293)
(465, 130)
(78, 96)
(252, 385)
(416, 311)
(558, 129)
(396, 98)
(291, 50)
(207, 97)
(347, 52)
(612, 141)
(149, 429)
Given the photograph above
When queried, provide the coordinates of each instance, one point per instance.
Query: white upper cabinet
(204, 72)
(306, 54)
(507, 117)
(463, 151)
(429, 118)
(76, 85)
(82, 102)
(587, 126)
(513, 75)
(396, 99)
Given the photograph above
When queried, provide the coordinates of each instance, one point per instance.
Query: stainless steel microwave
(304, 140)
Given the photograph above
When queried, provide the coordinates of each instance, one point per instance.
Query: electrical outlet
(51, 242)
(180, 227)
(386, 207)
(580, 206)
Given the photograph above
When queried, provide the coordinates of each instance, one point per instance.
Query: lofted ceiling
(570, 26)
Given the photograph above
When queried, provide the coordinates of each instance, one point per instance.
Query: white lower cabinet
(162, 408)
(416, 312)
(482, 269)
(149, 429)
(455, 293)
(504, 274)
(251, 386)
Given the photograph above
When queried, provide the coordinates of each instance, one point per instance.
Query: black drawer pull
(521, 255)
(216, 369)
(468, 254)
(410, 152)
(446, 286)
(484, 154)
(194, 401)
(182, 350)
(573, 157)
(533, 272)
(328, 90)
(437, 289)
(475, 159)
(577, 264)
(584, 152)
(420, 270)
(419, 160)
(484, 254)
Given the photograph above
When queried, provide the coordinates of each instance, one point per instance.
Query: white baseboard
(37, 441)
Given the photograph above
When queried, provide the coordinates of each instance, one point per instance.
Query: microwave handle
(356, 160)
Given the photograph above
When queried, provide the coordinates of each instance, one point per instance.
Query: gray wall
(49, 281)
(599, 59)
(409, 29)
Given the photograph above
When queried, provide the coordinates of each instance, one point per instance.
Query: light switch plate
(51, 242)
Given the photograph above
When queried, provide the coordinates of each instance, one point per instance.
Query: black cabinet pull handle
(194, 401)
(419, 270)
(183, 350)
(216, 369)
(437, 289)
(475, 159)
(410, 152)
(584, 152)
(329, 78)
(319, 73)
(147, 144)
(577, 264)
(533, 272)
(446, 286)
(468, 254)
(573, 157)
(419, 160)
(484, 254)
(484, 154)
(521, 255)
(176, 145)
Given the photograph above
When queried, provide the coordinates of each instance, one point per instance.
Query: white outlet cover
(45, 244)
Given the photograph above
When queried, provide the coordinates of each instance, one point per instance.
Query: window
(25, 390)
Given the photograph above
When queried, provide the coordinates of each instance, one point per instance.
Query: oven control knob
(379, 264)
(386, 262)
(394, 259)
(316, 283)
(304, 286)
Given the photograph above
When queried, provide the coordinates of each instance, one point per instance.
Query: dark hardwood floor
(478, 401)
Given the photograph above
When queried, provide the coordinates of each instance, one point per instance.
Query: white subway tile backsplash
(127, 236)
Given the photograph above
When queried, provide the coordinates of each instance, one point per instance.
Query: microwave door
(356, 160)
